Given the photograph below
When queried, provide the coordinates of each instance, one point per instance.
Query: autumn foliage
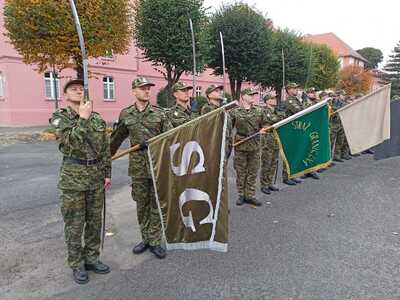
(43, 31)
(355, 79)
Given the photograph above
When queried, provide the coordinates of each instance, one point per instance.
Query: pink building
(27, 97)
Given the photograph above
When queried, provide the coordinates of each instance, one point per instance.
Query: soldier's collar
(147, 108)
(180, 107)
(72, 112)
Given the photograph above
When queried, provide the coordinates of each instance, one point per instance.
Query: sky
(358, 23)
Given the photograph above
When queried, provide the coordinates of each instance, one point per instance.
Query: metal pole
(55, 89)
(194, 58)
(223, 63)
(85, 62)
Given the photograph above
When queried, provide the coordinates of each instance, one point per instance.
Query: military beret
(213, 87)
(292, 85)
(180, 86)
(72, 82)
(141, 81)
(248, 91)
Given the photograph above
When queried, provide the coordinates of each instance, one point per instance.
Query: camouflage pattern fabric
(82, 213)
(82, 192)
(293, 106)
(140, 126)
(269, 151)
(178, 115)
(247, 155)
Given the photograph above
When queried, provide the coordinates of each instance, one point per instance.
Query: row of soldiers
(87, 149)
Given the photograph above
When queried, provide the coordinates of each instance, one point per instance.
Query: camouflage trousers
(147, 210)
(82, 213)
(337, 140)
(269, 164)
(345, 149)
(246, 164)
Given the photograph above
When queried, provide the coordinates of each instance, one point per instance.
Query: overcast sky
(358, 23)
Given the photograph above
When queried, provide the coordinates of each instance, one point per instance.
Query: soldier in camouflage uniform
(180, 113)
(247, 119)
(336, 129)
(269, 148)
(215, 99)
(293, 105)
(85, 174)
(140, 122)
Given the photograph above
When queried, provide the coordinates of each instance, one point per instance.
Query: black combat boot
(265, 190)
(140, 248)
(158, 251)
(273, 188)
(240, 201)
(80, 275)
(289, 182)
(98, 268)
(252, 201)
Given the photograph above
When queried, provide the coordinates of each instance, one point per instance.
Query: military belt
(73, 160)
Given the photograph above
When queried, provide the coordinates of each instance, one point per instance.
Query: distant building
(347, 55)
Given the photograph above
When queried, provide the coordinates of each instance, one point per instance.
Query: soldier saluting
(140, 122)
(84, 176)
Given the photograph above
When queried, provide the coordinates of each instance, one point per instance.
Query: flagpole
(140, 146)
(223, 62)
(283, 122)
(194, 58)
(85, 61)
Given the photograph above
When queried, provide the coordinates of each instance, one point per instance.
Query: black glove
(144, 146)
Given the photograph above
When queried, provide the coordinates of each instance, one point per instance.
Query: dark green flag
(304, 140)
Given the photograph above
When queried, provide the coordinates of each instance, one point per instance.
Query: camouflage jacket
(85, 140)
(139, 126)
(248, 122)
(293, 106)
(178, 115)
(271, 117)
(228, 140)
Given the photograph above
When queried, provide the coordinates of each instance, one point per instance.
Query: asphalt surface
(336, 238)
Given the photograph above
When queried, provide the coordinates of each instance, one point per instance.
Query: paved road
(330, 239)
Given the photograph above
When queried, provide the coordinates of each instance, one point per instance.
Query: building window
(198, 91)
(351, 61)
(361, 64)
(1, 86)
(51, 83)
(108, 87)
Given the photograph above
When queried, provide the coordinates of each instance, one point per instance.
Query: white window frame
(108, 88)
(198, 91)
(2, 88)
(48, 79)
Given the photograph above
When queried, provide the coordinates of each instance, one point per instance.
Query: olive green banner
(188, 167)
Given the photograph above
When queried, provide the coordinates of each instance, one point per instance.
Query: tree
(392, 69)
(373, 55)
(162, 31)
(296, 55)
(355, 79)
(324, 67)
(247, 39)
(43, 31)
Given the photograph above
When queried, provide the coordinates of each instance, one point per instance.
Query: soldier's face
(215, 95)
(293, 91)
(311, 96)
(249, 99)
(74, 93)
(271, 102)
(182, 95)
(142, 93)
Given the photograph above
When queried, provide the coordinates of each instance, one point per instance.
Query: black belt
(89, 162)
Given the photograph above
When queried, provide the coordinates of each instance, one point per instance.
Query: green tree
(247, 39)
(162, 31)
(373, 55)
(324, 69)
(296, 55)
(392, 69)
(43, 31)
